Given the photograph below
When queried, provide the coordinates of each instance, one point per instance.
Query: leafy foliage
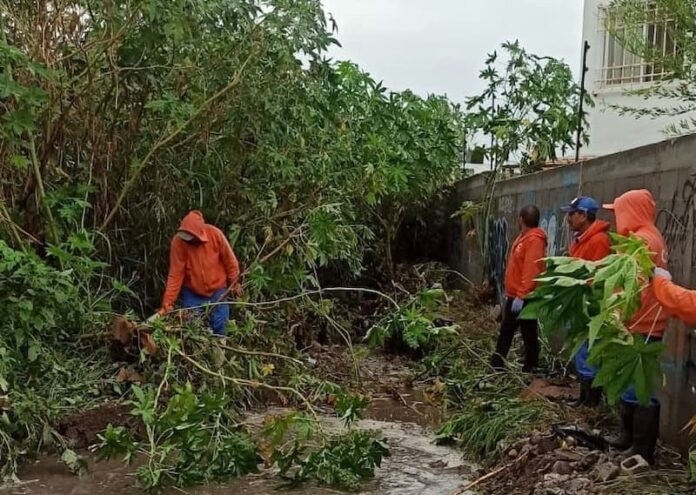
(675, 20)
(341, 461)
(594, 301)
(193, 440)
(535, 110)
(345, 461)
(227, 107)
(414, 323)
(44, 371)
(350, 407)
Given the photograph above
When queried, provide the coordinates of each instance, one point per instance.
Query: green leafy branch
(595, 301)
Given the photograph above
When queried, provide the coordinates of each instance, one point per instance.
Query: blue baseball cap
(583, 203)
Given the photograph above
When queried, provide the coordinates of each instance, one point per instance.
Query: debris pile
(567, 460)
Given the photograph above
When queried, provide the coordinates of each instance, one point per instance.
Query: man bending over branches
(202, 269)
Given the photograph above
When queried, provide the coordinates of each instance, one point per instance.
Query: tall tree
(529, 107)
(670, 57)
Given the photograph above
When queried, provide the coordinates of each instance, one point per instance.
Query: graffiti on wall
(678, 221)
(498, 245)
(557, 232)
(506, 205)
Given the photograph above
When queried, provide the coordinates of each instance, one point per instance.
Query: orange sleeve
(229, 260)
(678, 301)
(175, 279)
(533, 265)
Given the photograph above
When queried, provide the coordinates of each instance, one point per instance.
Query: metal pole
(586, 48)
(493, 134)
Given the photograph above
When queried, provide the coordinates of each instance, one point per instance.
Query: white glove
(153, 318)
(661, 272)
(517, 305)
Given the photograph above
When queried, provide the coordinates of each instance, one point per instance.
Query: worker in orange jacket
(635, 214)
(202, 266)
(524, 264)
(676, 300)
(591, 243)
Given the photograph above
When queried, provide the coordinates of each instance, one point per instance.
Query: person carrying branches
(635, 214)
(203, 269)
(525, 263)
(590, 242)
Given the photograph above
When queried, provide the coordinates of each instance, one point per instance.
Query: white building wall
(609, 131)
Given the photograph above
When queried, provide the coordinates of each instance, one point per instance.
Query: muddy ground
(416, 465)
(407, 414)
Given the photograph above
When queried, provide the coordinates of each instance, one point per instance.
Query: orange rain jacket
(635, 213)
(204, 267)
(593, 244)
(525, 263)
(679, 301)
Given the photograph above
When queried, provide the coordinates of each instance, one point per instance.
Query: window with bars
(621, 67)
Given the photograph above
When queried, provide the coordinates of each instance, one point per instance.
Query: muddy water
(416, 465)
(400, 412)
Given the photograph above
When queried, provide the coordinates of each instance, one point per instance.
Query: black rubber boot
(584, 394)
(646, 429)
(594, 395)
(625, 439)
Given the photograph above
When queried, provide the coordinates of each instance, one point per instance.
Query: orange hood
(194, 224)
(634, 210)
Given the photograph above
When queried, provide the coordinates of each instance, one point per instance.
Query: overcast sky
(439, 46)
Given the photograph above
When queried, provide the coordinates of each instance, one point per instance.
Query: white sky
(439, 46)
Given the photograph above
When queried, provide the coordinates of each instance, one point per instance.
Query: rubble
(562, 461)
(606, 471)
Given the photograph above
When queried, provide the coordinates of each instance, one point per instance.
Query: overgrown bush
(130, 113)
(414, 324)
(46, 369)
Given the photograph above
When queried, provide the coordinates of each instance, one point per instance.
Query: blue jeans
(584, 369)
(219, 315)
(629, 397)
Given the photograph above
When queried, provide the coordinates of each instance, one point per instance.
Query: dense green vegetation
(119, 116)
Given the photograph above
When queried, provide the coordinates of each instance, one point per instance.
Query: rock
(606, 471)
(578, 486)
(635, 465)
(567, 455)
(590, 459)
(555, 479)
(562, 467)
(527, 449)
(438, 464)
(546, 444)
(513, 454)
(571, 441)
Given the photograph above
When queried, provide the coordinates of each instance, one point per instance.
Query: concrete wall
(609, 131)
(668, 170)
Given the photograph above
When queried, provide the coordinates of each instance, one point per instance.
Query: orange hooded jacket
(525, 263)
(679, 301)
(593, 244)
(204, 266)
(635, 213)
